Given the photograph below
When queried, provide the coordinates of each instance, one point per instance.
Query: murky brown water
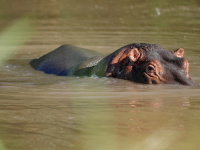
(46, 112)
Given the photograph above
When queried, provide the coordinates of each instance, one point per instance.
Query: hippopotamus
(137, 62)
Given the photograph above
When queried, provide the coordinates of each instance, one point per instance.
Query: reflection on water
(39, 111)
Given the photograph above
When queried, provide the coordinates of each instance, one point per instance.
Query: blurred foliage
(2, 147)
(13, 37)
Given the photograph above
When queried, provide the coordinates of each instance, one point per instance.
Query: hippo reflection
(137, 62)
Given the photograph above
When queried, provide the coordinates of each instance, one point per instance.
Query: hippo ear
(134, 54)
(179, 52)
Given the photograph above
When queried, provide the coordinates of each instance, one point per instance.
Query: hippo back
(60, 60)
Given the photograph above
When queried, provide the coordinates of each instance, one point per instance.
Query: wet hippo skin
(64, 59)
(137, 62)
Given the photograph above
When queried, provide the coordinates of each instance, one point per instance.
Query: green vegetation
(2, 147)
(13, 37)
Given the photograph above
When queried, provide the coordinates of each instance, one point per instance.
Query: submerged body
(137, 62)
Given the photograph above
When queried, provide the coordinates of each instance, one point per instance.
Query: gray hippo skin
(137, 62)
(64, 60)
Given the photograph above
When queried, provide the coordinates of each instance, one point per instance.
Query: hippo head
(150, 64)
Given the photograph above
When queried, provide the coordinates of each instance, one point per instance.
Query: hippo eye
(150, 69)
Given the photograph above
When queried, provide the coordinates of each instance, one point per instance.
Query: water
(40, 111)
